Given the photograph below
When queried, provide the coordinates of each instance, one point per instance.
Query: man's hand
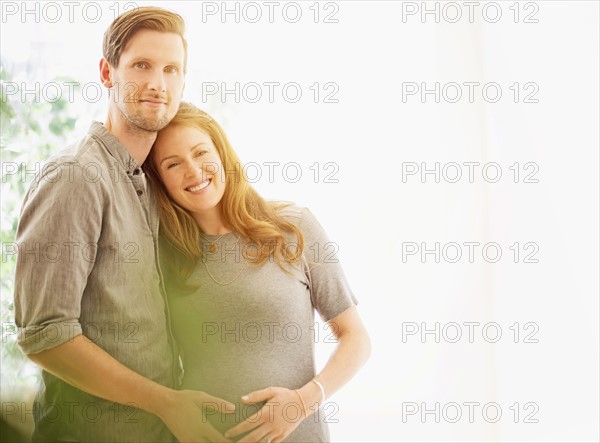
(185, 415)
(88, 367)
(282, 413)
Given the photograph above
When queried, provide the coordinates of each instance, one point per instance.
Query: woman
(244, 277)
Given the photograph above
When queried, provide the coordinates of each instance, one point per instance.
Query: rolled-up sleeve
(56, 243)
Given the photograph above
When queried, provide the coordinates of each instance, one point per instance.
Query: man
(89, 295)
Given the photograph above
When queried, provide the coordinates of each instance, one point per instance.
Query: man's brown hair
(127, 24)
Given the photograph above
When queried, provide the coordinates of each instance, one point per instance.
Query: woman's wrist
(311, 394)
(321, 388)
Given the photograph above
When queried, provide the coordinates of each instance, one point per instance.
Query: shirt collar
(114, 147)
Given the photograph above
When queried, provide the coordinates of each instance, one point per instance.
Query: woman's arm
(332, 298)
(352, 351)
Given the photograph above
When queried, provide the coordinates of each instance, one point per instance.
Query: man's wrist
(160, 401)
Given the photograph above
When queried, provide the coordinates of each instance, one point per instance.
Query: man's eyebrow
(137, 59)
(175, 155)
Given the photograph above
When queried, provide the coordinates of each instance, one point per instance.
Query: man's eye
(140, 65)
(172, 69)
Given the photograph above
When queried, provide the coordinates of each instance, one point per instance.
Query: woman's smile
(196, 188)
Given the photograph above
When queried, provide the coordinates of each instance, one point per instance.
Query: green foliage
(30, 131)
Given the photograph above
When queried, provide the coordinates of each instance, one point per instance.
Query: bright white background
(374, 210)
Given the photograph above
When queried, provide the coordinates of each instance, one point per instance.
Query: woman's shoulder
(287, 209)
(301, 216)
(291, 211)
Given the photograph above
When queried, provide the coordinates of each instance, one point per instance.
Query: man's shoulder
(84, 151)
(79, 167)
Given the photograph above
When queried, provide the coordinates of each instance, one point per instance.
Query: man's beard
(134, 117)
(136, 121)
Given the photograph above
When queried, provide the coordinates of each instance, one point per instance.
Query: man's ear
(106, 73)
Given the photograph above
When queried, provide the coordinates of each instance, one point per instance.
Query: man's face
(147, 85)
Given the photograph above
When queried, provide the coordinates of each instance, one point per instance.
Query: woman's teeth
(199, 187)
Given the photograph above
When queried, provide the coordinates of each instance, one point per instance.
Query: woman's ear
(106, 73)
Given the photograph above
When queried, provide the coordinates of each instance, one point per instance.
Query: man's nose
(157, 81)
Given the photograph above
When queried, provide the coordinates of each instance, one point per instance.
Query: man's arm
(63, 209)
(88, 367)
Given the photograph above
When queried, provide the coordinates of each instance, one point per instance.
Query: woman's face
(190, 168)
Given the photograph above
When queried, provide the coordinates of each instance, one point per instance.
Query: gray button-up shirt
(87, 264)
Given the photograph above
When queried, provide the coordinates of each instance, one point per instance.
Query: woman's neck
(211, 222)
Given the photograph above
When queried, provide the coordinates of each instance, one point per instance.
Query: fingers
(250, 423)
(199, 432)
(207, 401)
(212, 435)
(258, 435)
(260, 395)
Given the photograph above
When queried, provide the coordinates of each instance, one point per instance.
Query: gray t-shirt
(248, 327)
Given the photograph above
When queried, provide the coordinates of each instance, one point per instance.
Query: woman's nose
(192, 170)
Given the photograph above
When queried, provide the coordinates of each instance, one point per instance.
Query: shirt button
(136, 171)
(139, 192)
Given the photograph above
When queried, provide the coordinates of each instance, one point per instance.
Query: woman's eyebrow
(167, 158)
(175, 155)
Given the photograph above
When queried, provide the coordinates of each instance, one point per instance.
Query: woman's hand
(281, 414)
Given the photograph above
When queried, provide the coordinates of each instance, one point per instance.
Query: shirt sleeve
(330, 292)
(56, 244)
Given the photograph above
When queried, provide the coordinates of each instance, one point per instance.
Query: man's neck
(136, 141)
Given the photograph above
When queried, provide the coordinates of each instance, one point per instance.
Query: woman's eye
(171, 165)
(199, 154)
(140, 65)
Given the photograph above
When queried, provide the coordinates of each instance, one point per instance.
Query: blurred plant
(31, 129)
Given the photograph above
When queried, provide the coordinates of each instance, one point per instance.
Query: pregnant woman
(244, 278)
